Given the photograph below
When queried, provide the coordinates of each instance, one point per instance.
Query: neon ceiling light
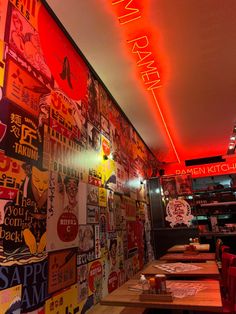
(130, 17)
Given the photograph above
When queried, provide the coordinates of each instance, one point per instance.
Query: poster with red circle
(112, 281)
(66, 65)
(67, 227)
(95, 275)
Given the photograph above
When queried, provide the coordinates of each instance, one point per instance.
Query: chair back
(228, 260)
(232, 289)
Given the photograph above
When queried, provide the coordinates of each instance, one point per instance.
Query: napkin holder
(147, 296)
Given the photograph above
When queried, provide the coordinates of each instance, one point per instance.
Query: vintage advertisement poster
(102, 197)
(24, 139)
(82, 277)
(33, 278)
(64, 302)
(88, 244)
(10, 300)
(92, 195)
(63, 212)
(92, 214)
(24, 224)
(95, 280)
(62, 271)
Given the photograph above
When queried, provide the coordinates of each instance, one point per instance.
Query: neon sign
(128, 12)
(131, 17)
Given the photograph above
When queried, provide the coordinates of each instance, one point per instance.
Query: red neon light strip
(166, 127)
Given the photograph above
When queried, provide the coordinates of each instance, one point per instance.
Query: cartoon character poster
(10, 300)
(92, 195)
(63, 212)
(24, 40)
(24, 224)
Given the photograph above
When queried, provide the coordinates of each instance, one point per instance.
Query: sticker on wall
(62, 271)
(93, 100)
(88, 245)
(95, 280)
(24, 226)
(62, 113)
(102, 201)
(94, 138)
(10, 300)
(132, 237)
(66, 65)
(105, 126)
(23, 89)
(12, 176)
(92, 195)
(24, 138)
(33, 278)
(112, 281)
(64, 302)
(92, 214)
(63, 212)
(82, 273)
(178, 212)
(113, 258)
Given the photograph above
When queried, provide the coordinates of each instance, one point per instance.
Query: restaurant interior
(117, 156)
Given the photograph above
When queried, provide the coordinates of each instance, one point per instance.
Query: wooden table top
(206, 270)
(182, 247)
(208, 299)
(178, 257)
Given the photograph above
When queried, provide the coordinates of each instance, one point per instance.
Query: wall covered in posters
(74, 216)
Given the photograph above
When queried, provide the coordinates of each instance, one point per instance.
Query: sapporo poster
(64, 302)
(33, 278)
(62, 270)
(10, 300)
(63, 212)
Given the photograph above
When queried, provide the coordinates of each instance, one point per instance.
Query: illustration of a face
(17, 23)
(72, 188)
(40, 180)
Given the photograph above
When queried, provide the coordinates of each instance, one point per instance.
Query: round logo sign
(67, 227)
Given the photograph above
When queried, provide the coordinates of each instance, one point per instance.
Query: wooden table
(181, 257)
(208, 299)
(182, 248)
(208, 270)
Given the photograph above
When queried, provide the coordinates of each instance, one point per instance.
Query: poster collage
(74, 216)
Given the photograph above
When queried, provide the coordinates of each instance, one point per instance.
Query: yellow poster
(64, 302)
(10, 300)
(2, 63)
(102, 200)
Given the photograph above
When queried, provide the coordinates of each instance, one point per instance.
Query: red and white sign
(220, 168)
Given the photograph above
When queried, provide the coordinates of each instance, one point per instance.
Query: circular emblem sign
(67, 227)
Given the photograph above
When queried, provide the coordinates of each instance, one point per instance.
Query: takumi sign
(227, 167)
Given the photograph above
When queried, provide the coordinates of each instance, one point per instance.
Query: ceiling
(194, 44)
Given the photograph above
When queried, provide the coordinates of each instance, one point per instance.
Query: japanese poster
(63, 212)
(62, 270)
